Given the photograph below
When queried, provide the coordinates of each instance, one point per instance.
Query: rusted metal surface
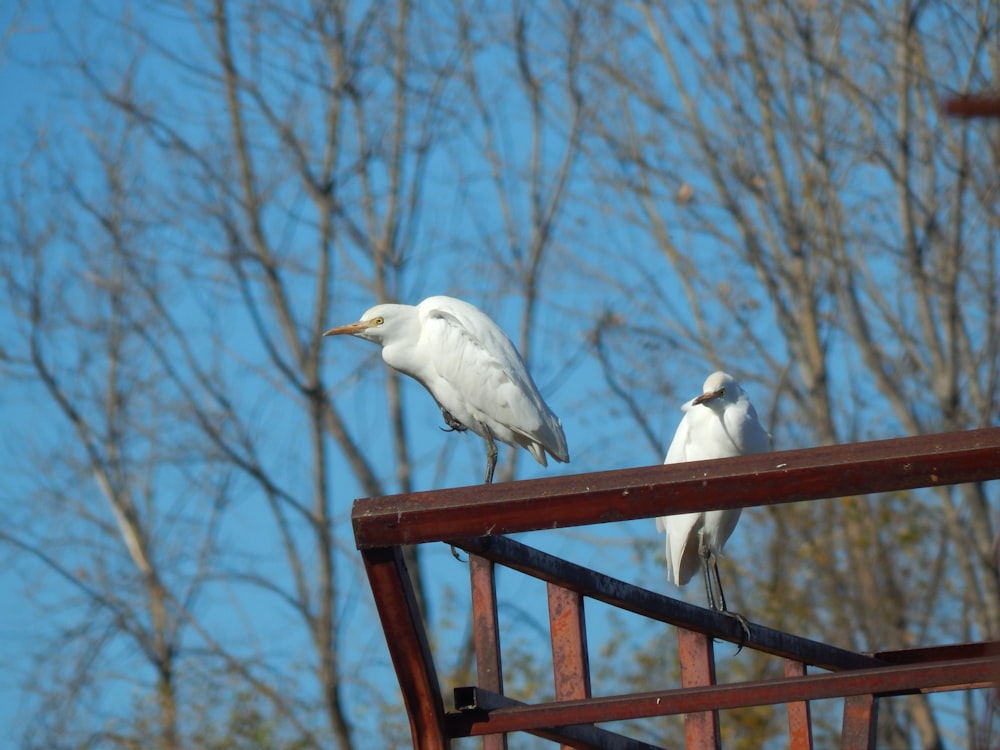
(476, 704)
(860, 723)
(486, 635)
(568, 629)
(697, 657)
(744, 481)
(408, 647)
(568, 633)
(972, 105)
(473, 517)
(799, 719)
(888, 680)
(944, 653)
(656, 606)
(948, 652)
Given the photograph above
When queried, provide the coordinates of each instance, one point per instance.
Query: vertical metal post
(570, 658)
(407, 641)
(486, 635)
(799, 718)
(697, 655)
(860, 722)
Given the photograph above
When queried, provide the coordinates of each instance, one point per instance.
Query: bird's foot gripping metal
(744, 627)
(453, 424)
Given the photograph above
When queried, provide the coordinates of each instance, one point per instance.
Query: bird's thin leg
(491, 455)
(491, 459)
(705, 554)
(743, 621)
(721, 601)
(718, 603)
(453, 426)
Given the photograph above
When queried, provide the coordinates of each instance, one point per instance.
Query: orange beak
(350, 328)
(703, 397)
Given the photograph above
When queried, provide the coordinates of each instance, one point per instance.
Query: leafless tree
(669, 187)
(243, 175)
(835, 240)
(287, 163)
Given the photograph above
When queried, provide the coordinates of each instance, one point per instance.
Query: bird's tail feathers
(536, 450)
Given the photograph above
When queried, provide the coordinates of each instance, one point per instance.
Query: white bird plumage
(471, 369)
(719, 423)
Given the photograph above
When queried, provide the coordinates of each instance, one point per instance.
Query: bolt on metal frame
(477, 519)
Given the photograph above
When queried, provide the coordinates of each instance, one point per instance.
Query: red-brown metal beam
(697, 657)
(486, 635)
(860, 723)
(656, 606)
(947, 652)
(972, 105)
(568, 631)
(799, 718)
(383, 523)
(744, 481)
(475, 702)
(408, 647)
(889, 680)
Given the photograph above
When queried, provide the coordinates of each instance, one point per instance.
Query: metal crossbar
(475, 518)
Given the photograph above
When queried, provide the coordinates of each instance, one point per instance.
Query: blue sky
(598, 263)
(566, 378)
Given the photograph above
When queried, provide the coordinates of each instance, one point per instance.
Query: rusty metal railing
(477, 519)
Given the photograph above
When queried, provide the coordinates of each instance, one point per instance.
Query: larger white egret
(719, 423)
(472, 370)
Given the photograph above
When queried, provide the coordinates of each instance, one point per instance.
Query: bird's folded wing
(677, 452)
(471, 352)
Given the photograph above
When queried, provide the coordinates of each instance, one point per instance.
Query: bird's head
(374, 325)
(719, 390)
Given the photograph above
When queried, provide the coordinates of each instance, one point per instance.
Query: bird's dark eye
(378, 321)
(722, 391)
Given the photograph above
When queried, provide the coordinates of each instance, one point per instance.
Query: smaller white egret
(719, 423)
(471, 369)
